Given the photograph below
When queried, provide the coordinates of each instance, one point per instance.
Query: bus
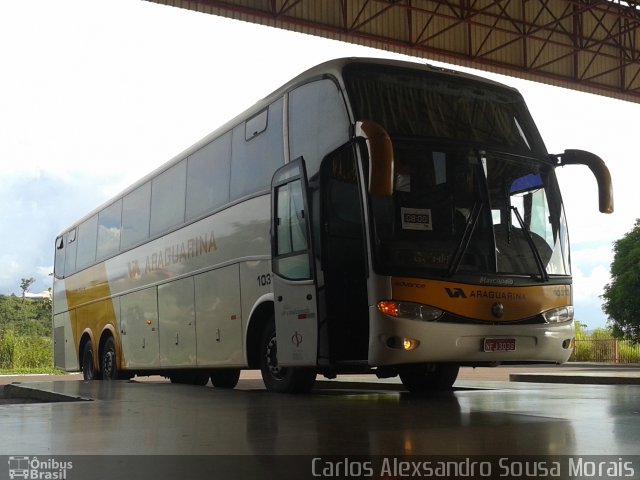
(369, 216)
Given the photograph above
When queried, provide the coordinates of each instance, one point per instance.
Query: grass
(601, 346)
(31, 371)
(25, 353)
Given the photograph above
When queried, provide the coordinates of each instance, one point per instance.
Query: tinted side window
(291, 232)
(70, 252)
(318, 122)
(58, 268)
(255, 125)
(135, 216)
(254, 161)
(208, 177)
(168, 198)
(109, 228)
(87, 233)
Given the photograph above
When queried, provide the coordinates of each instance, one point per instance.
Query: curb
(574, 379)
(17, 390)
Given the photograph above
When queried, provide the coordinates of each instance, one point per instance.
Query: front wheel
(281, 379)
(430, 377)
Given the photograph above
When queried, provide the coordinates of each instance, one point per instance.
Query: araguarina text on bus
(174, 254)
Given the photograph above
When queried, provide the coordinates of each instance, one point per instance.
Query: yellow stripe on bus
(477, 301)
(92, 307)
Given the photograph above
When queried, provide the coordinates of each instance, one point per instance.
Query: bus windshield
(457, 209)
(442, 107)
(473, 190)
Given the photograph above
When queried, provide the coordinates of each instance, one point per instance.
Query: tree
(24, 316)
(621, 298)
(25, 285)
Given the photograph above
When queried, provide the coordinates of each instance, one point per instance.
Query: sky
(94, 94)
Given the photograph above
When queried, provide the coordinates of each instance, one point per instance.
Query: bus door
(345, 323)
(294, 275)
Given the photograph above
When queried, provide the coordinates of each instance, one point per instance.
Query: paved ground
(570, 373)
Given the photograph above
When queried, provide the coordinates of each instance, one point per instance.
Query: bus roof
(329, 68)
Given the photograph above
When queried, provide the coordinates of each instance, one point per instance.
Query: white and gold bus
(369, 216)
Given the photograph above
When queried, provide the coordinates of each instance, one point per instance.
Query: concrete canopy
(587, 45)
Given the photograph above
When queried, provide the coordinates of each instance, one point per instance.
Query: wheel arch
(108, 331)
(262, 311)
(86, 336)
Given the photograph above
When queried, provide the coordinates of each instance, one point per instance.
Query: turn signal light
(389, 308)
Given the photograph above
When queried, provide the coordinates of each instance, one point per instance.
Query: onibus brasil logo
(38, 469)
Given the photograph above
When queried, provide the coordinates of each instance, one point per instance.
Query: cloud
(590, 269)
(35, 208)
(593, 254)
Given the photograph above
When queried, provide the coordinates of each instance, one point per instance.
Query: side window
(291, 248)
(318, 122)
(255, 125)
(168, 198)
(135, 216)
(58, 268)
(109, 228)
(87, 233)
(253, 161)
(292, 225)
(70, 252)
(208, 177)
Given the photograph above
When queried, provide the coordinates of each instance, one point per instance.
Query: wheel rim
(109, 361)
(271, 355)
(87, 365)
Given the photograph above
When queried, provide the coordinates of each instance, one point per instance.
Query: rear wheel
(108, 360)
(281, 379)
(430, 377)
(226, 378)
(89, 371)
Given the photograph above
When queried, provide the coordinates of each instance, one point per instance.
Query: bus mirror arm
(599, 170)
(380, 157)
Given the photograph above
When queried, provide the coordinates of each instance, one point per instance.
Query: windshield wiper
(466, 238)
(536, 254)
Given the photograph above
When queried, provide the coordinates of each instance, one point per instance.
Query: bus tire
(430, 377)
(178, 378)
(108, 360)
(199, 378)
(281, 379)
(89, 371)
(225, 378)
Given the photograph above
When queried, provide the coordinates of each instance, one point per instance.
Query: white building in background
(45, 295)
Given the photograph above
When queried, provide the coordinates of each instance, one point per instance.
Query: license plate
(499, 344)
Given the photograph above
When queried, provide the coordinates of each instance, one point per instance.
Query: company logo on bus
(455, 293)
(485, 294)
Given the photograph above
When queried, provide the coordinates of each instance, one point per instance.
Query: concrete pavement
(18, 389)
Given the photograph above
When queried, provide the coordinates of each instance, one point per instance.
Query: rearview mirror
(380, 158)
(600, 171)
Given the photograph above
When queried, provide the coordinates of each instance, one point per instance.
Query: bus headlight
(409, 310)
(559, 315)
